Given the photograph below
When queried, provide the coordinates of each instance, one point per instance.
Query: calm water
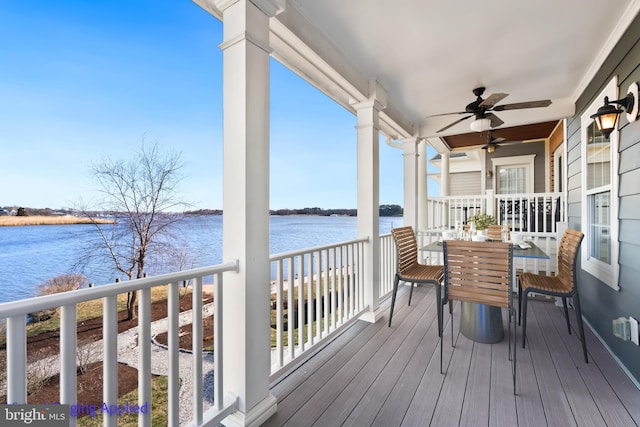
(30, 255)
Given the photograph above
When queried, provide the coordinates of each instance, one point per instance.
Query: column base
(371, 316)
(256, 416)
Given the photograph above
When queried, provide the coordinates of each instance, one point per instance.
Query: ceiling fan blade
(505, 143)
(454, 123)
(493, 99)
(521, 105)
(446, 114)
(497, 140)
(495, 120)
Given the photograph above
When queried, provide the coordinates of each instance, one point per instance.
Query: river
(29, 255)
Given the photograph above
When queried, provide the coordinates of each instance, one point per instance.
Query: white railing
(536, 215)
(530, 212)
(16, 314)
(316, 292)
(388, 264)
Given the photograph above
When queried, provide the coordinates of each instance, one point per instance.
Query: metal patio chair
(409, 270)
(563, 285)
(480, 273)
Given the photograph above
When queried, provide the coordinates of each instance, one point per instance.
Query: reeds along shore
(48, 220)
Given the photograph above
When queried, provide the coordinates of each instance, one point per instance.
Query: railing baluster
(218, 384)
(196, 345)
(341, 275)
(144, 355)
(110, 356)
(279, 313)
(328, 310)
(320, 313)
(174, 361)
(68, 355)
(311, 300)
(17, 359)
(334, 288)
(301, 310)
(291, 320)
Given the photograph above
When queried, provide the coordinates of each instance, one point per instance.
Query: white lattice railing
(16, 314)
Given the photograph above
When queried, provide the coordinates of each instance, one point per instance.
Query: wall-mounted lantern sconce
(607, 116)
(489, 174)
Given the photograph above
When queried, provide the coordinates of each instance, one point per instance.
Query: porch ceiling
(428, 55)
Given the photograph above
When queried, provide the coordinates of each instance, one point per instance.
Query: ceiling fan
(493, 143)
(482, 110)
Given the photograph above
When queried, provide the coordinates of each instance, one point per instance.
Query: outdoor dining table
(483, 323)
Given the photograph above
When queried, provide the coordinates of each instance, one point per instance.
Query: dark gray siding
(601, 304)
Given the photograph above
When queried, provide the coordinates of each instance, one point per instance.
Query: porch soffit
(429, 56)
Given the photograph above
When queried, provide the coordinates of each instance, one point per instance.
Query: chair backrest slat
(406, 247)
(567, 254)
(494, 232)
(479, 272)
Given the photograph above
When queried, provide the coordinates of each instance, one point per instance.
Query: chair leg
(509, 332)
(393, 298)
(439, 309)
(440, 333)
(566, 313)
(515, 347)
(576, 304)
(519, 301)
(451, 320)
(524, 317)
(411, 292)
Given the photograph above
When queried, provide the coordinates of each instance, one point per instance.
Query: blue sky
(80, 80)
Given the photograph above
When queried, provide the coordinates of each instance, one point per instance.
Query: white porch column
(444, 186)
(246, 341)
(410, 148)
(444, 174)
(423, 194)
(369, 193)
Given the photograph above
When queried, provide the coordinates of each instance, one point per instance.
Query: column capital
(377, 98)
(268, 7)
(222, 5)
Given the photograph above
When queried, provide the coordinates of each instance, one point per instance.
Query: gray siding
(464, 183)
(600, 303)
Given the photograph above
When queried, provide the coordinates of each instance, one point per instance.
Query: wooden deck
(376, 375)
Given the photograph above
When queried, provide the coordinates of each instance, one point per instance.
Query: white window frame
(606, 273)
(527, 161)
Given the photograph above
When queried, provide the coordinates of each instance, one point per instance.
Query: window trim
(606, 273)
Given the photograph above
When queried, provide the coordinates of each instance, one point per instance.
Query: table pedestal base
(481, 323)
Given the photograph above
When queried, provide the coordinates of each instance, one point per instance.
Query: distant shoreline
(8, 221)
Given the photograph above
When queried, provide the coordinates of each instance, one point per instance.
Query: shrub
(482, 220)
(55, 285)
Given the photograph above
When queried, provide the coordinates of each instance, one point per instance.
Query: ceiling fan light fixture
(481, 125)
(491, 148)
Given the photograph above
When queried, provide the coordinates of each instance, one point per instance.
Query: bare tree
(140, 193)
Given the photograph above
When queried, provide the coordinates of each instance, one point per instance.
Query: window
(514, 175)
(600, 195)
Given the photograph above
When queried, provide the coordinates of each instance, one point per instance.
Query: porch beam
(246, 337)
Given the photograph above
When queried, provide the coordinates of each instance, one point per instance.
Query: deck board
(376, 375)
